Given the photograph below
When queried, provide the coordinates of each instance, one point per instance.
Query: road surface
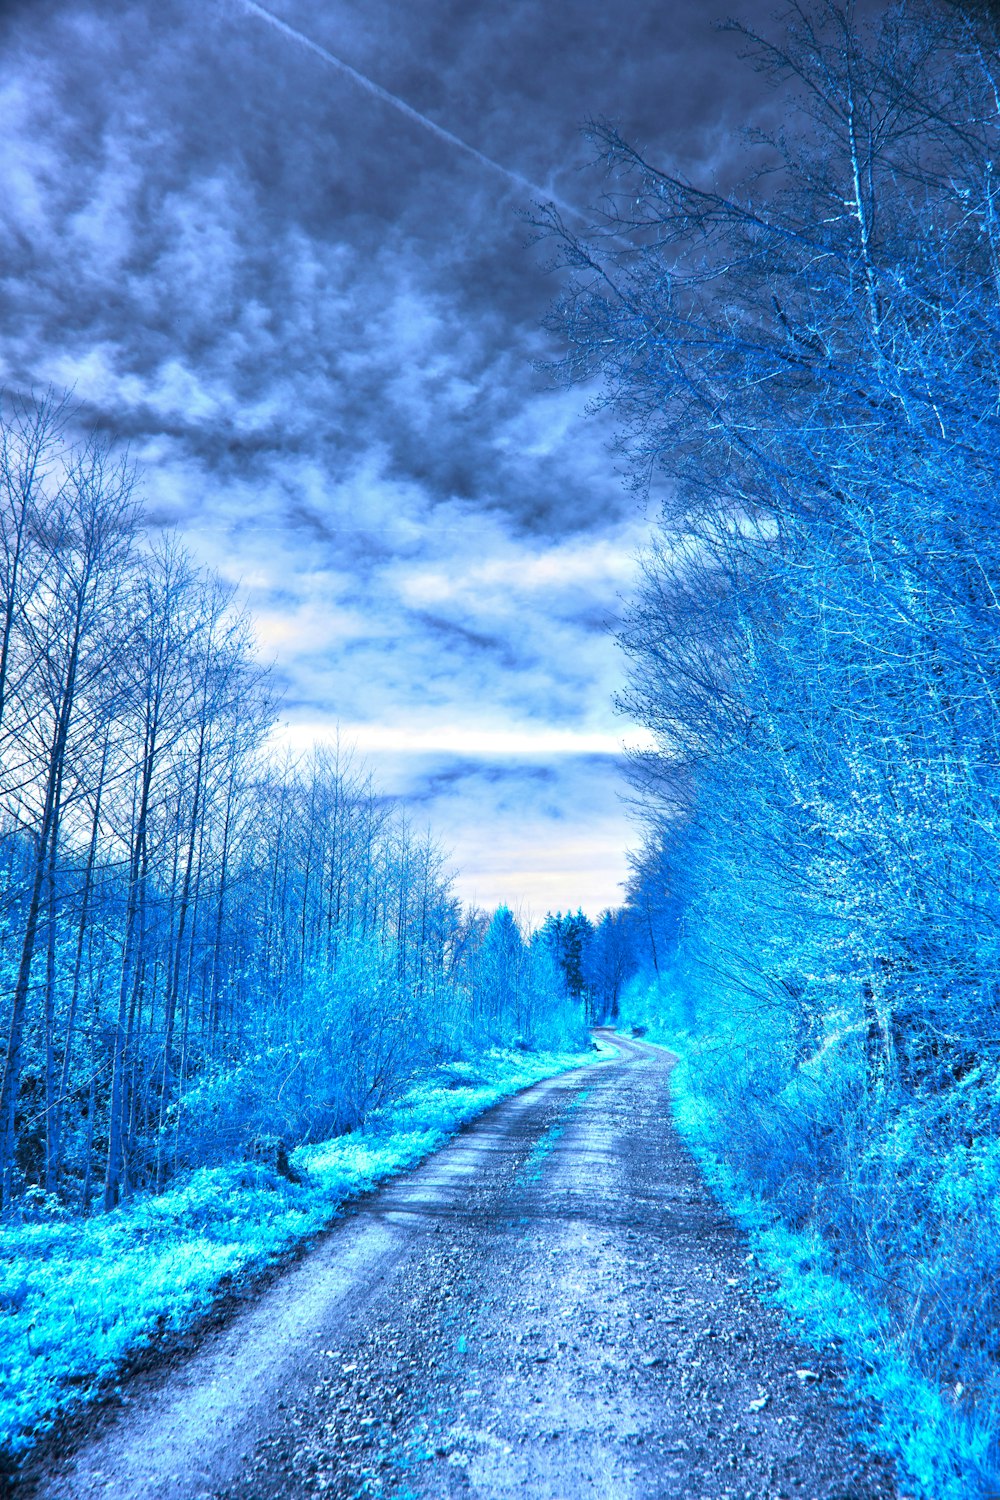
(551, 1306)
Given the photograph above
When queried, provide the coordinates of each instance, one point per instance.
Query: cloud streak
(393, 100)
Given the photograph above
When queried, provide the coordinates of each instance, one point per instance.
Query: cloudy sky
(315, 318)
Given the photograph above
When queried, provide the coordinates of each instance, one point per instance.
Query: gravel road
(551, 1306)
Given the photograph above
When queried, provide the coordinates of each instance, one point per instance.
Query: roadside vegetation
(80, 1295)
(806, 369)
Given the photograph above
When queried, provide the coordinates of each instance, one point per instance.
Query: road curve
(550, 1306)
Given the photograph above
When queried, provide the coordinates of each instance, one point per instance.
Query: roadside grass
(944, 1449)
(78, 1296)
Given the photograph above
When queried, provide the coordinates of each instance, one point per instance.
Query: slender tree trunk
(81, 934)
(15, 1038)
(173, 983)
(51, 1080)
(130, 961)
(220, 911)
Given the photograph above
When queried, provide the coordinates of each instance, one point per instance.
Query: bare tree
(88, 533)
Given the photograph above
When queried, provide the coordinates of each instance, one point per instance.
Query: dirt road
(552, 1306)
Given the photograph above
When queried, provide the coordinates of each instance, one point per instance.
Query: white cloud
(531, 741)
(599, 565)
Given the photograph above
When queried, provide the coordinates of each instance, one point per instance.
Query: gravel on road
(551, 1306)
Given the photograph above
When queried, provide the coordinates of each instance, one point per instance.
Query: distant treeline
(202, 952)
(809, 370)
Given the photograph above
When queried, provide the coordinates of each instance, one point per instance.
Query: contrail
(407, 109)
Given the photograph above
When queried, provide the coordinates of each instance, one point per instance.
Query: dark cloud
(454, 636)
(319, 327)
(458, 774)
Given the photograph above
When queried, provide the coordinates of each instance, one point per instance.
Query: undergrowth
(878, 1221)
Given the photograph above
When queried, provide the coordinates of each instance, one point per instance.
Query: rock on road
(550, 1306)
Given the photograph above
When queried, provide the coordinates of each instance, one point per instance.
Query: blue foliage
(809, 366)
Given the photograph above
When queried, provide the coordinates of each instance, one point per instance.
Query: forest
(207, 952)
(807, 369)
